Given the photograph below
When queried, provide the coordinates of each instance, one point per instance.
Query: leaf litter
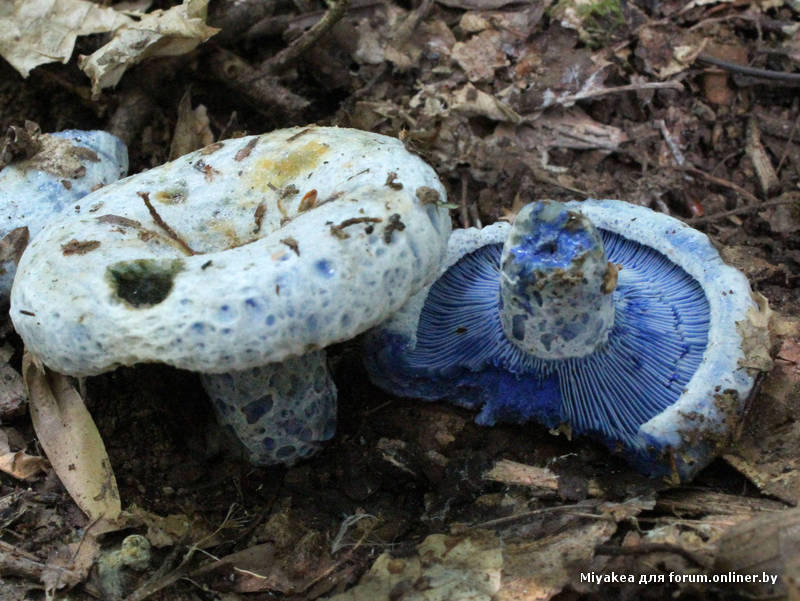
(670, 105)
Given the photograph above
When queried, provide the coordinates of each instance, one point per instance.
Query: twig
(164, 576)
(670, 140)
(280, 61)
(631, 87)
(403, 33)
(648, 548)
(17, 562)
(740, 210)
(463, 201)
(789, 141)
(529, 514)
(724, 183)
(749, 71)
(264, 92)
(164, 225)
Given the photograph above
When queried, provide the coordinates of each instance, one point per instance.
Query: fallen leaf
(482, 4)
(12, 392)
(70, 564)
(166, 531)
(18, 464)
(471, 101)
(762, 163)
(481, 55)
(160, 33)
(13, 244)
(538, 568)
(70, 439)
(192, 130)
(466, 567)
(766, 451)
(35, 32)
(766, 544)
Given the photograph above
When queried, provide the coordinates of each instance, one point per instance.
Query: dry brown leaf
(192, 130)
(766, 544)
(165, 531)
(783, 219)
(481, 55)
(466, 567)
(70, 564)
(666, 52)
(571, 128)
(539, 568)
(520, 474)
(18, 464)
(35, 32)
(472, 102)
(766, 451)
(161, 33)
(70, 439)
(12, 392)
(762, 163)
(482, 4)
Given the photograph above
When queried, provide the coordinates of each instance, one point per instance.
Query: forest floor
(688, 108)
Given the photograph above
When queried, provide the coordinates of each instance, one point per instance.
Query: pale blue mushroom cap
(242, 261)
(665, 389)
(71, 164)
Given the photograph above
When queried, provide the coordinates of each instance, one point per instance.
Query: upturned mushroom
(65, 167)
(597, 317)
(241, 261)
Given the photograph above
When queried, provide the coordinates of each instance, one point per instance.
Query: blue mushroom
(598, 317)
(240, 261)
(69, 165)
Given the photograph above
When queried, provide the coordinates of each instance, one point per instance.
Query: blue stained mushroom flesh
(631, 333)
(241, 261)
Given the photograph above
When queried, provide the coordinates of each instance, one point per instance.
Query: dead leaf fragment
(18, 464)
(767, 176)
(481, 55)
(161, 33)
(36, 32)
(12, 392)
(70, 439)
(192, 129)
(13, 244)
(769, 544)
(471, 101)
(466, 567)
(540, 567)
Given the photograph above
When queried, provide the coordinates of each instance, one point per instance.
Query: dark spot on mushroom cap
(144, 282)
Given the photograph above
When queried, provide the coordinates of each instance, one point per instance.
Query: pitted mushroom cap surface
(69, 165)
(243, 253)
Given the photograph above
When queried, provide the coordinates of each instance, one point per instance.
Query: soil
(509, 101)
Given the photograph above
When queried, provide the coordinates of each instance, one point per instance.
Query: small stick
(164, 225)
(647, 548)
(673, 145)
(740, 210)
(632, 87)
(280, 61)
(463, 201)
(750, 71)
(723, 182)
(789, 141)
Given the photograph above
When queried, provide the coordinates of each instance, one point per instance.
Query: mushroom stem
(281, 412)
(556, 283)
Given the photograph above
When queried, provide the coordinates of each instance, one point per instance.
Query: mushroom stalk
(280, 412)
(556, 284)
